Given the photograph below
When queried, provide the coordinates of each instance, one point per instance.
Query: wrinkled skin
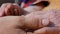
(36, 21)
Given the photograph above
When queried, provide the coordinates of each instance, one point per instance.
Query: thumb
(2, 9)
(47, 30)
(1, 12)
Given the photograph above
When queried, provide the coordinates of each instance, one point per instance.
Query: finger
(12, 11)
(47, 30)
(17, 9)
(44, 19)
(3, 5)
(2, 9)
(43, 22)
(8, 8)
(1, 12)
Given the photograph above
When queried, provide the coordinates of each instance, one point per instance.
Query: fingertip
(3, 5)
(45, 22)
(9, 5)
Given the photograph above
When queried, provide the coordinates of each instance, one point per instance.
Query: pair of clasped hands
(39, 22)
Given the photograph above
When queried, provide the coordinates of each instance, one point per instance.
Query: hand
(20, 24)
(51, 16)
(14, 25)
(9, 9)
(54, 26)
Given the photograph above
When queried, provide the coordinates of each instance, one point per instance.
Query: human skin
(5, 8)
(14, 9)
(54, 26)
(8, 9)
(17, 24)
(36, 21)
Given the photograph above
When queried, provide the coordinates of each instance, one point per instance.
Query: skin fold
(40, 22)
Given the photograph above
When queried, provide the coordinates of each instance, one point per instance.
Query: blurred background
(6, 1)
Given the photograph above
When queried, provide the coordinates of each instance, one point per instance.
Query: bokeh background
(6, 1)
